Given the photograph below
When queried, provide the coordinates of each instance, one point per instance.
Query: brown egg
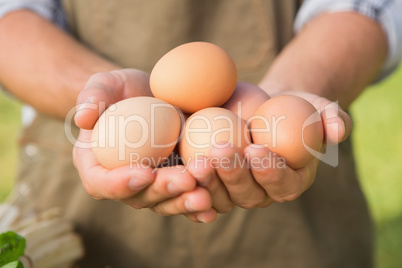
(246, 99)
(212, 127)
(140, 131)
(194, 76)
(290, 127)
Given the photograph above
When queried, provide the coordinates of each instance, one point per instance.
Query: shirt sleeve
(387, 12)
(44, 8)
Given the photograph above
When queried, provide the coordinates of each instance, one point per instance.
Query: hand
(264, 178)
(167, 191)
(104, 89)
(337, 123)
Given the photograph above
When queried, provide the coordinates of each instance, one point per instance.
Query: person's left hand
(256, 184)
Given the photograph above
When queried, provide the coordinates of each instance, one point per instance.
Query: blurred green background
(10, 123)
(377, 135)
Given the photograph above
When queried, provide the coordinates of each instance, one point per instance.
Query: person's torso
(136, 33)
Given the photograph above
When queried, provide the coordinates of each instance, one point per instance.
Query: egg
(212, 127)
(290, 127)
(246, 99)
(194, 76)
(139, 131)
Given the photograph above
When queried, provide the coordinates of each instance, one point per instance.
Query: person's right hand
(105, 89)
(167, 191)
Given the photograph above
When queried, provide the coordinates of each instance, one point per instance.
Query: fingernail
(206, 216)
(86, 105)
(173, 188)
(257, 146)
(138, 183)
(200, 218)
(344, 130)
(188, 205)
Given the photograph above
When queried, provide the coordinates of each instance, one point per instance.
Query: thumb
(337, 125)
(104, 89)
(101, 90)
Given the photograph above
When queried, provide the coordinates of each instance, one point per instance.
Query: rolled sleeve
(44, 8)
(386, 12)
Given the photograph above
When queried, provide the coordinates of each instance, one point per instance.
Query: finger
(337, 125)
(193, 201)
(101, 183)
(202, 170)
(203, 216)
(221, 200)
(169, 182)
(232, 169)
(280, 182)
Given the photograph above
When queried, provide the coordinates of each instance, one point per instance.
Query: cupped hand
(258, 177)
(254, 178)
(105, 89)
(337, 123)
(167, 191)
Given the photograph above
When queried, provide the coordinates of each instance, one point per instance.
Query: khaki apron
(328, 226)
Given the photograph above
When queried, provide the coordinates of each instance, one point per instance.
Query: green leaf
(12, 246)
(14, 264)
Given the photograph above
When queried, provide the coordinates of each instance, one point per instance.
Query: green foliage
(14, 264)
(12, 246)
